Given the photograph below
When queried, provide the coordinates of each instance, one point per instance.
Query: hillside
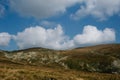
(101, 58)
(100, 62)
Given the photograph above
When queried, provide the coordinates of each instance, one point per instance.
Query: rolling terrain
(100, 62)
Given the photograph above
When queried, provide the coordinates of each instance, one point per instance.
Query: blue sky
(58, 24)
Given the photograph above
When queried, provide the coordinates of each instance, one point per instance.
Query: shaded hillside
(101, 58)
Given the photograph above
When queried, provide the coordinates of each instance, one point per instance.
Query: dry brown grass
(16, 71)
(27, 72)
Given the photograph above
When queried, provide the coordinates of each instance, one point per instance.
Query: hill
(100, 62)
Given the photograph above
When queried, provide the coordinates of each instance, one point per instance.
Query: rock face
(37, 56)
(101, 58)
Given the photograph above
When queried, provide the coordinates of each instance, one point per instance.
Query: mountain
(100, 62)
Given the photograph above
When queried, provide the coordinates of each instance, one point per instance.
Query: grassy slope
(97, 58)
(27, 72)
(80, 61)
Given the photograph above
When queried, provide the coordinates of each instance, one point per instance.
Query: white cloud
(2, 9)
(101, 9)
(56, 39)
(41, 8)
(41, 37)
(91, 35)
(4, 39)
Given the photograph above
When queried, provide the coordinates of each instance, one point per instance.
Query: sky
(58, 24)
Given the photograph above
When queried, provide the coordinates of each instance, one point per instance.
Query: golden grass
(16, 71)
(27, 72)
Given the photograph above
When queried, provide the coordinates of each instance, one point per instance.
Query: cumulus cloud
(41, 37)
(91, 35)
(100, 9)
(4, 39)
(41, 8)
(56, 39)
